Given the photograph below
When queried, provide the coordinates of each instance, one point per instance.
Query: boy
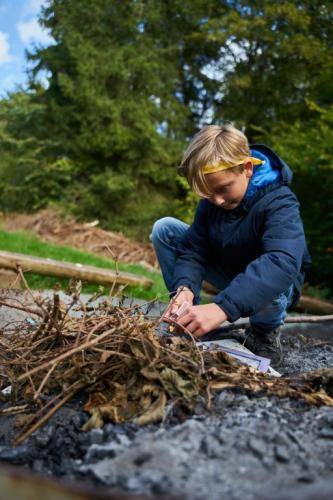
(247, 239)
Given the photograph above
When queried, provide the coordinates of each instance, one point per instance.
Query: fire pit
(246, 444)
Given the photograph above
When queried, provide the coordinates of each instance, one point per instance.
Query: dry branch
(244, 323)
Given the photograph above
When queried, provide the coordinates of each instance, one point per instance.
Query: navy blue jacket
(260, 244)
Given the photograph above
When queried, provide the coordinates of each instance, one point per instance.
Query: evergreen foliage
(308, 148)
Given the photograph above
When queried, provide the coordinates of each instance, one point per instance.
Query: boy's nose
(218, 200)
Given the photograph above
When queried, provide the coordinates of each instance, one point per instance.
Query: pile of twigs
(130, 370)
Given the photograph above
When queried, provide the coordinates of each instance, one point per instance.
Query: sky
(19, 31)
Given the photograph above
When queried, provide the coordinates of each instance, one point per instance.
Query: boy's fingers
(170, 312)
(171, 309)
(185, 319)
(191, 326)
(184, 308)
(199, 332)
(178, 311)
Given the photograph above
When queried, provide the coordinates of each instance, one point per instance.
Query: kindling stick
(289, 319)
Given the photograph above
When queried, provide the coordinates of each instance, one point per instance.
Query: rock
(43, 437)
(96, 436)
(162, 486)
(258, 447)
(212, 447)
(97, 452)
(309, 477)
(220, 434)
(328, 419)
(243, 400)
(200, 407)
(189, 446)
(142, 458)
(268, 462)
(224, 399)
(296, 440)
(158, 482)
(38, 466)
(132, 483)
(188, 430)
(280, 438)
(123, 440)
(326, 433)
(79, 420)
(282, 454)
(17, 455)
(110, 431)
(102, 471)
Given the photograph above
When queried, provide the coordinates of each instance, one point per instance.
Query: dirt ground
(245, 447)
(49, 226)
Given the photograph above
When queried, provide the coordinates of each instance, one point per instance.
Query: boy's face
(229, 188)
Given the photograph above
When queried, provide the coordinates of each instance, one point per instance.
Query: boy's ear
(248, 169)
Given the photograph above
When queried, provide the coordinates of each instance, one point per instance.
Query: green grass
(319, 292)
(26, 243)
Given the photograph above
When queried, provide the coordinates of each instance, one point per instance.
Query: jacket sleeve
(192, 254)
(265, 278)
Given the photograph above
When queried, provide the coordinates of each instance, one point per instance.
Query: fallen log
(314, 305)
(90, 274)
(245, 323)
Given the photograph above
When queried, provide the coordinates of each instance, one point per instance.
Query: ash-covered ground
(245, 447)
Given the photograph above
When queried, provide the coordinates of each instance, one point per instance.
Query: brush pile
(129, 369)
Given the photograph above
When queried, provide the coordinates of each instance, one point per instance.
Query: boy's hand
(200, 320)
(184, 296)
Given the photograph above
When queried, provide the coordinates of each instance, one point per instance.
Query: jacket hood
(275, 161)
(272, 174)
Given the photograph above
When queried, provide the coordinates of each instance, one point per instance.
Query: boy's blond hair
(211, 145)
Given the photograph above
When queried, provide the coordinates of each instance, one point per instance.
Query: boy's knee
(161, 227)
(277, 305)
(284, 300)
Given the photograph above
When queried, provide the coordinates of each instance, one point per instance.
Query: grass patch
(26, 243)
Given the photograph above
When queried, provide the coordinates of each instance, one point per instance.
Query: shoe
(265, 344)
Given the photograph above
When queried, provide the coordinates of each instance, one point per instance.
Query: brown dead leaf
(95, 421)
(137, 349)
(23, 420)
(150, 373)
(111, 412)
(95, 399)
(145, 401)
(105, 356)
(219, 386)
(154, 413)
(120, 395)
(152, 389)
(318, 398)
(175, 385)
